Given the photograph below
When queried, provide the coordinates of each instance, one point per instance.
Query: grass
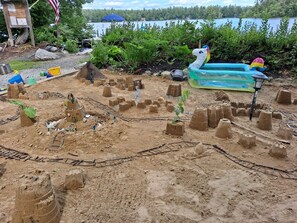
(22, 64)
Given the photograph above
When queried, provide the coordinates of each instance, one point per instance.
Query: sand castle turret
(107, 91)
(174, 90)
(284, 97)
(36, 201)
(227, 112)
(74, 112)
(224, 129)
(199, 119)
(265, 120)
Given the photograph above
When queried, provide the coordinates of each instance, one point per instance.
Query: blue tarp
(112, 18)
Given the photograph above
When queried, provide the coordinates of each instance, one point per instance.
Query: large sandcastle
(36, 201)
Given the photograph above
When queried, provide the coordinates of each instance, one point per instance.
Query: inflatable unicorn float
(225, 76)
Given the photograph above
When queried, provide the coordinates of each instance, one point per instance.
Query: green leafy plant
(71, 46)
(180, 108)
(29, 111)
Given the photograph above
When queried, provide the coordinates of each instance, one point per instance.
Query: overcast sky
(140, 4)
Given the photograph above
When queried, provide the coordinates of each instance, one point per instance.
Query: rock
(148, 72)
(74, 179)
(41, 54)
(200, 148)
(166, 74)
(85, 51)
(51, 48)
(157, 74)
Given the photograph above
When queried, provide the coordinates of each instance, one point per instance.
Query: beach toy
(223, 76)
(32, 81)
(54, 71)
(16, 79)
(257, 64)
(203, 56)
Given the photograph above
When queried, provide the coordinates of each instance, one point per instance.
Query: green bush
(71, 46)
(99, 56)
(130, 48)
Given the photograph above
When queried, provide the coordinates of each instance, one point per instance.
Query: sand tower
(174, 90)
(74, 112)
(278, 151)
(247, 140)
(227, 111)
(265, 120)
(199, 119)
(284, 97)
(107, 91)
(36, 201)
(285, 133)
(224, 129)
(212, 117)
(15, 90)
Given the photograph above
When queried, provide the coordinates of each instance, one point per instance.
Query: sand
(187, 185)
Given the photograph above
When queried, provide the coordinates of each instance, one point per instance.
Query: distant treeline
(261, 9)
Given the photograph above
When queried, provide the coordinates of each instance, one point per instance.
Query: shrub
(71, 46)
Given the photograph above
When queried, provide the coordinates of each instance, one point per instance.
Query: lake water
(100, 27)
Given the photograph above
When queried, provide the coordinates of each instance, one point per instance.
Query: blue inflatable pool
(224, 76)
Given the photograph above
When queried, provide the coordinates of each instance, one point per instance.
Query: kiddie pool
(224, 76)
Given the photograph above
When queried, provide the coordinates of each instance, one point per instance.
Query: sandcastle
(247, 140)
(148, 101)
(227, 111)
(106, 91)
(141, 104)
(74, 179)
(224, 129)
(176, 129)
(278, 151)
(284, 97)
(170, 107)
(25, 120)
(174, 90)
(285, 133)
(123, 106)
(153, 108)
(265, 120)
(36, 200)
(15, 91)
(74, 112)
(199, 119)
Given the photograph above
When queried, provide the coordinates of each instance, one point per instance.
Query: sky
(140, 4)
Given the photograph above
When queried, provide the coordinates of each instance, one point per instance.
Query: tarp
(112, 18)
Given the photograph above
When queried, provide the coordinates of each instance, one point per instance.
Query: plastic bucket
(31, 81)
(16, 79)
(54, 71)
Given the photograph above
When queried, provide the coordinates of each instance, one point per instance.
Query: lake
(100, 27)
